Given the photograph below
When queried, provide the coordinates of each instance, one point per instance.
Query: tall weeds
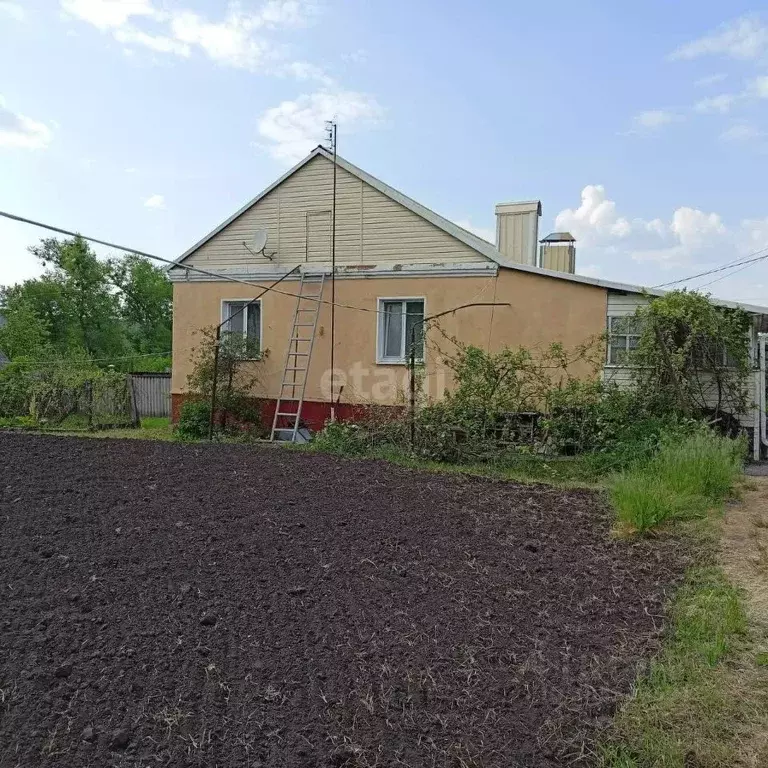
(682, 480)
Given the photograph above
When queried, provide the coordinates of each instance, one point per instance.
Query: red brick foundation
(314, 414)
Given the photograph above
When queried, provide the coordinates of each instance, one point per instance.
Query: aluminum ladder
(287, 419)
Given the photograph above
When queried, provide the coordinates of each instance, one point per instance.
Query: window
(400, 321)
(244, 319)
(623, 337)
(710, 355)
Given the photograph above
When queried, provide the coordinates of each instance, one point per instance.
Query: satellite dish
(258, 244)
(259, 241)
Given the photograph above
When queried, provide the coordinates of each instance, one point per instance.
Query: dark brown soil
(170, 605)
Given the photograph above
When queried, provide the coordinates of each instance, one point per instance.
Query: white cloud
(486, 233)
(159, 43)
(18, 131)
(741, 132)
(303, 70)
(758, 88)
(705, 82)
(745, 38)
(594, 219)
(602, 232)
(287, 13)
(157, 202)
(240, 39)
(14, 10)
(229, 42)
(293, 128)
(693, 228)
(109, 14)
(654, 119)
(721, 104)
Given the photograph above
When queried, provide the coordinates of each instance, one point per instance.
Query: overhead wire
(744, 261)
(199, 270)
(736, 270)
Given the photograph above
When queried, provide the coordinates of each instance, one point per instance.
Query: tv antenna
(331, 130)
(258, 244)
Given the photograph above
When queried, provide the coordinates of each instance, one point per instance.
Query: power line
(89, 361)
(723, 277)
(736, 263)
(190, 268)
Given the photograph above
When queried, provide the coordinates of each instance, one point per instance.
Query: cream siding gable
(371, 228)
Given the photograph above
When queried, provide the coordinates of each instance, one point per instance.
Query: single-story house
(396, 263)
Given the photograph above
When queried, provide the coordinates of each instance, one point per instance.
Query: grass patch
(566, 472)
(151, 428)
(684, 479)
(693, 705)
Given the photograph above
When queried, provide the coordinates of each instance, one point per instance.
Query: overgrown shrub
(237, 373)
(194, 420)
(56, 390)
(692, 357)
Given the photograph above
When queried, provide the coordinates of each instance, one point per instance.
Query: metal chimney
(558, 252)
(517, 230)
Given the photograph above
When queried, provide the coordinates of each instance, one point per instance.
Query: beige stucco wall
(541, 310)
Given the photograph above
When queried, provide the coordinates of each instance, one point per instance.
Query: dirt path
(745, 548)
(744, 557)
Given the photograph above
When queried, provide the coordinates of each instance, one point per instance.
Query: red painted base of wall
(313, 414)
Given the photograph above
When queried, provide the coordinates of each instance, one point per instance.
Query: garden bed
(225, 605)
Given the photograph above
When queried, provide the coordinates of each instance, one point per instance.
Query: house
(397, 262)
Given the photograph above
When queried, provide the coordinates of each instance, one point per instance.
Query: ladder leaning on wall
(287, 418)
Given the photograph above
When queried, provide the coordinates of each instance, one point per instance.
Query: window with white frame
(401, 322)
(623, 337)
(244, 318)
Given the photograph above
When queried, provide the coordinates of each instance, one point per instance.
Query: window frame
(225, 320)
(612, 334)
(381, 359)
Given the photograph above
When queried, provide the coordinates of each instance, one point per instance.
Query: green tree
(23, 333)
(145, 297)
(76, 299)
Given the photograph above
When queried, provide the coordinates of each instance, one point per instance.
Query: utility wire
(208, 273)
(87, 363)
(736, 270)
(736, 263)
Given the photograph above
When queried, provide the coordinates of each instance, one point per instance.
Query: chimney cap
(525, 206)
(559, 237)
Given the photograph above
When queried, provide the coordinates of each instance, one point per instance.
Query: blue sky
(642, 127)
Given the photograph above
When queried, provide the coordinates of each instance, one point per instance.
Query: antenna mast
(330, 127)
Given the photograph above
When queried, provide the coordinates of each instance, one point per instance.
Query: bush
(681, 480)
(194, 420)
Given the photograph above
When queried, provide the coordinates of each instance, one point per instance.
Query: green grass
(155, 422)
(151, 428)
(565, 472)
(694, 703)
(684, 479)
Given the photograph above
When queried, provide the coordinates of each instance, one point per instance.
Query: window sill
(397, 361)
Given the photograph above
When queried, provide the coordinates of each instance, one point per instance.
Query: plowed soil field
(176, 605)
